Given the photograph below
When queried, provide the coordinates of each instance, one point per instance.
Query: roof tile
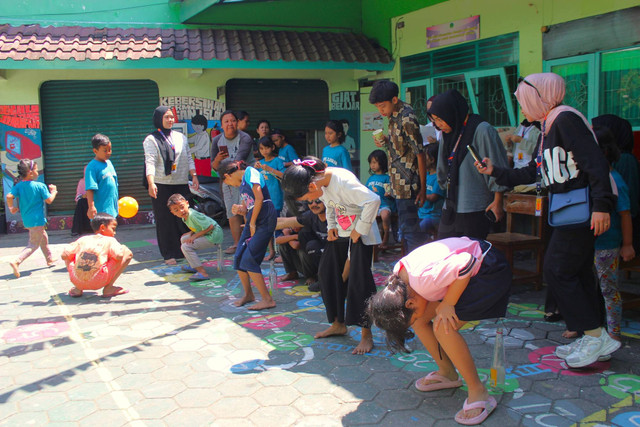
(33, 42)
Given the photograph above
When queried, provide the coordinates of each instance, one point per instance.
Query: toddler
(429, 213)
(380, 183)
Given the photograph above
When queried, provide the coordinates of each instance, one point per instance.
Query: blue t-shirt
(31, 196)
(102, 179)
(432, 209)
(337, 156)
(612, 238)
(376, 183)
(287, 154)
(273, 183)
(253, 176)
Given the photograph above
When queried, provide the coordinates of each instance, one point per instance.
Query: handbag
(571, 209)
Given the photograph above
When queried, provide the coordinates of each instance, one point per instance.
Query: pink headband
(310, 163)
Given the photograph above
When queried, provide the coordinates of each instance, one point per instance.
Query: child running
(31, 195)
(260, 219)
(430, 212)
(335, 155)
(100, 179)
(380, 183)
(271, 167)
(205, 233)
(351, 217)
(436, 289)
(96, 261)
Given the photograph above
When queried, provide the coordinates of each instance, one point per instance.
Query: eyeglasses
(316, 201)
(522, 80)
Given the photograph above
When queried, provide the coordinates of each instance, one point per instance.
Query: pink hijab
(546, 106)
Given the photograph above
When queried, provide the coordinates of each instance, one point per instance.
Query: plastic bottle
(497, 372)
(273, 278)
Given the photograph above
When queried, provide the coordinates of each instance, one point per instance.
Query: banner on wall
(345, 107)
(453, 32)
(20, 138)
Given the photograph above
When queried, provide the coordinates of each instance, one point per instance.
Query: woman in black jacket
(567, 158)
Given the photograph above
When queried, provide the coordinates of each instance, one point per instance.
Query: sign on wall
(453, 32)
(20, 138)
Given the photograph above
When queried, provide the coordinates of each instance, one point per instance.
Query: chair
(510, 242)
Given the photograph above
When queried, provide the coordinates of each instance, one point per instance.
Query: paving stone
(143, 366)
(172, 372)
(398, 399)
(275, 416)
(367, 413)
(277, 377)
(72, 410)
(320, 421)
(204, 379)
(111, 418)
(189, 417)
(155, 408)
(407, 418)
(157, 389)
(197, 397)
(313, 385)
(237, 406)
(240, 387)
(232, 422)
(317, 404)
(350, 374)
(87, 391)
(27, 419)
(119, 399)
(276, 395)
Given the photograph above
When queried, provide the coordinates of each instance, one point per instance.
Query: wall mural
(20, 138)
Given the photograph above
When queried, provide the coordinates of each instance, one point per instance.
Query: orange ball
(127, 207)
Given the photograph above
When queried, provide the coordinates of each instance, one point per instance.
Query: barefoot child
(98, 260)
(205, 233)
(31, 196)
(260, 219)
(436, 289)
(351, 217)
(380, 183)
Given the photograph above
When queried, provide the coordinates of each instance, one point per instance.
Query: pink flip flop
(442, 382)
(119, 291)
(487, 408)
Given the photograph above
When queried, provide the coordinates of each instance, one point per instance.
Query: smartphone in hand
(491, 216)
(223, 149)
(476, 156)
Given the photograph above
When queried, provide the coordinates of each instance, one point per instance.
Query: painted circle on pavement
(621, 386)
(35, 332)
(510, 384)
(220, 291)
(216, 282)
(262, 322)
(545, 358)
(300, 291)
(525, 310)
(289, 340)
(628, 419)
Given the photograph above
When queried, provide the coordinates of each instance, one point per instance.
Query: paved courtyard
(176, 353)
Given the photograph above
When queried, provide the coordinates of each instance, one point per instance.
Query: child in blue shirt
(335, 154)
(286, 152)
(615, 243)
(380, 183)
(271, 167)
(260, 222)
(205, 233)
(430, 212)
(31, 196)
(101, 181)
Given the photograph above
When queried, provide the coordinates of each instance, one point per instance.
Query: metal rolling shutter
(73, 111)
(287, 104)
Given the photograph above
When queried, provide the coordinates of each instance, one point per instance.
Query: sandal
(230, 250)
(487, 408)
(552, 317)
(442, 382)
(118, 291)
(188, 269)
(171, 261)
(198, 277)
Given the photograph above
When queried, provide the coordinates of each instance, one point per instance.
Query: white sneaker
(591, 348)
(562, 351)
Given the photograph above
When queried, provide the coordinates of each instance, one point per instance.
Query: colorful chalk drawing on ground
(539, 410)
(533, 311)
(137, 244)
(416, 361)
(281, 360)
(210, 283)
(511, 384)
(627, 419)
(289, 340)
(545, 358)
(380, 279)
(315, 304)
(35, 332)
(300, 291)
(266, 322)
(621, 386)
(214, 263)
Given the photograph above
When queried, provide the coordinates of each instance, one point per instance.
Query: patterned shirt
(403, 146)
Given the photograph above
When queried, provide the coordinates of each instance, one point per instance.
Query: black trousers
(305, 261)
(169, 228)
(81, 222)
(472, 224)
(570, 275)
(357, 290)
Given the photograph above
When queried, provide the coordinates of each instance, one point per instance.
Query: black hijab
(620, 128)
(452, 107)
(162, 135)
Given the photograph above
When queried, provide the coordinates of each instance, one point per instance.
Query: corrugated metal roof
(33, 42)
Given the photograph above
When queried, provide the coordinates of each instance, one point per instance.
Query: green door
(73, 111)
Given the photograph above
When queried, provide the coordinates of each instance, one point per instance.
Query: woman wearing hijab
(168, 163)
(472, 201)
(566, 159)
